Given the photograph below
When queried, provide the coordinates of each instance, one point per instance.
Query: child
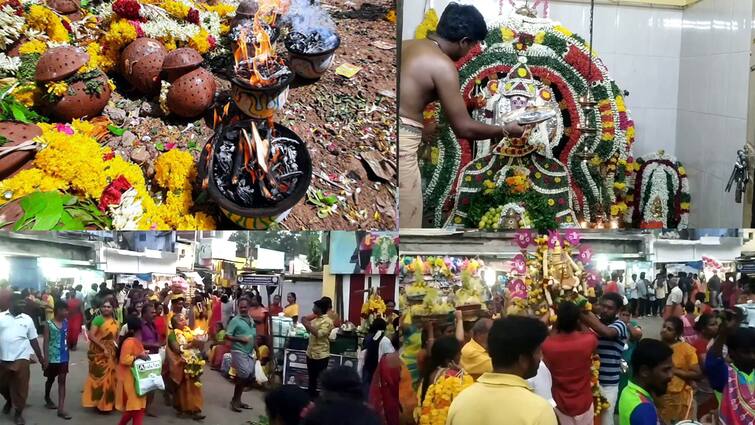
(55, 334)
(127, 400)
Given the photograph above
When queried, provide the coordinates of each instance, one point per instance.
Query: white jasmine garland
(11, 26)
(127, 214)
(211, 22)
(9, 65)
(160, 28)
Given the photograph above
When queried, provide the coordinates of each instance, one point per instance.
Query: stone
(128, 138)
(117, 115)
(150, 109)
(140, 155)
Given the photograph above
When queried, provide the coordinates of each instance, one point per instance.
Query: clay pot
(191, 94)
(245, 10)
(16, 133)
(60, 63)
(13, 50)
(141, 63)
(81, 104)
(75, 16)
(179, 62)
(64, 7)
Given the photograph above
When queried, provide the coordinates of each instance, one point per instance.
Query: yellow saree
(99, 389)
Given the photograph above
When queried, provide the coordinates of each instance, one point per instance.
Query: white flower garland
(9, 65)
(11, 26)
(127, 214)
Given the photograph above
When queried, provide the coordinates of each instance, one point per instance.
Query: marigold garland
(174, 169)
(33, 46)
(439, 396)
(42, 18)
(428, 24)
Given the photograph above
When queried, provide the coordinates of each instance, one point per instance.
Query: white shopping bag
(148, 374)
(259, 374)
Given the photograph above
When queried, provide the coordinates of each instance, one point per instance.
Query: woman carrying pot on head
(185, 366)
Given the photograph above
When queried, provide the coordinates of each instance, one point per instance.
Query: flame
(263, 49)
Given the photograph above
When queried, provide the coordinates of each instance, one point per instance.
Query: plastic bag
(161, 353)
(148, 374)
(259, 373)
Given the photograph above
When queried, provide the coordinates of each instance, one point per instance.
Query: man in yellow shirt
(318, 350)
(475, 359)
(514, 346)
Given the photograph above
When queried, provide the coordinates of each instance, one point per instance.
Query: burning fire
(264, 67)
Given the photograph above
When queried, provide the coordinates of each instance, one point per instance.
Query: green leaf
(330, 200)
(50, 216)
(116, 130)
(69, 223)
(34, 203)
(19, 113)
(160, 146)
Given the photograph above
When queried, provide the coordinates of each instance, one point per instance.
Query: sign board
(259, 279)
(269, 259)
(216, 249)
(186, 256)
(295, 366)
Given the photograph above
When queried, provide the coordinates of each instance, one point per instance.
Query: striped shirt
(610, 351)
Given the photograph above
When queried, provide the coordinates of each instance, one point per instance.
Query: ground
(341, 120)
(217, 395)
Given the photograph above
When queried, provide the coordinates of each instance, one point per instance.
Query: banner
(295, 366)
(364, 252)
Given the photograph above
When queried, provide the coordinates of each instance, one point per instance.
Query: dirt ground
(341, 119)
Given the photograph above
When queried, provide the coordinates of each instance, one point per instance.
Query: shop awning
(131, 262)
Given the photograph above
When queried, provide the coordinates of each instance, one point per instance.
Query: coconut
(60, 63)
(77, 103)
(141, 63)
(16, 133)
(179, 62)
(191, 94)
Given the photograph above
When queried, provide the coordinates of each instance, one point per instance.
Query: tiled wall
(687, 73)
(714, 77)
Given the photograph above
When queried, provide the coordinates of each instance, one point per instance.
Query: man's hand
(513, 129)
(458, 315)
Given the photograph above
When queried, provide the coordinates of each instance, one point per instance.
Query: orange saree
(188, 395)
(99, 389)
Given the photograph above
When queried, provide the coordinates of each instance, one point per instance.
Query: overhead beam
(663, 4)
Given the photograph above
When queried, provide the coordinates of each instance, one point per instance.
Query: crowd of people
(701, 366)
(125, 323)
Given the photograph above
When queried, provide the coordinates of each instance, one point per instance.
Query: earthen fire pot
(81, 104)
(191, 94)
(60, 63)
(179, 62)
(16, 133)
(141, 63)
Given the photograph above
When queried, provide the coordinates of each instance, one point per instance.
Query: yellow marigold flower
(170, 44)
(684, 205)
(595, 161)
(41, 18)
(58, 88)
(82, 126)
(175, 170)
(222, 9)
(121, 32)
(429, 23)
(27, 94)
(94, 51)
(563, 30)
(507, 34)
(540, 37)
(34, 46)
(224, 29)
(199, 42)
(682, 171)
(28, 181)
(620, 104)
(630, 132)
(619, 186)
(551, 202)
(176, 9)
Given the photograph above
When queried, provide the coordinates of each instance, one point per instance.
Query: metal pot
(263, 217)
(312, 65)
(260, 102)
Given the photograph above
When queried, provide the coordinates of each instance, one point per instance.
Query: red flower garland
(113, 192)
(127, 9)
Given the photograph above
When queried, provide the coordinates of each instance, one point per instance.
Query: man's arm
(592, 321)
(446, 79)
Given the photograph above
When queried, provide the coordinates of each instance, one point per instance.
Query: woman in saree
(201, 314)
(391, 392)
(75, 320)
(127, 400)
(188, 398)
(676, 405)
(99, 389)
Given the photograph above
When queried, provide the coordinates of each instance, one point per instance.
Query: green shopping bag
(148, 374)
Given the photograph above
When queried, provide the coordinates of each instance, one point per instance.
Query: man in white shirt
(18, 337)
(675, 299)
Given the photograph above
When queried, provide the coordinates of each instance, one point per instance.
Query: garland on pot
(72, 161)
(559, 59)
(661, 195)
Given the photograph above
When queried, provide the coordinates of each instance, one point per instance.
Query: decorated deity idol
(559, 268)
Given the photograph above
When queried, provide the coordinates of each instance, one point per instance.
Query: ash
(319, 40)
(246, 184)
(247, 25)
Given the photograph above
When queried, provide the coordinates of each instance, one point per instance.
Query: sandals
(64, 415)
(198, 416)
(245, 406)
(235, 407)
(50, 405)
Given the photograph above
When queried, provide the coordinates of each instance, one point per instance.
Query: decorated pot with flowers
(256, 175)
(180, 62)
(191, 94)
(72, 86)
(141, 63)
(311, 55)
(13, 154)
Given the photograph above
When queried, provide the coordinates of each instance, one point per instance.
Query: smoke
(307, 18)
